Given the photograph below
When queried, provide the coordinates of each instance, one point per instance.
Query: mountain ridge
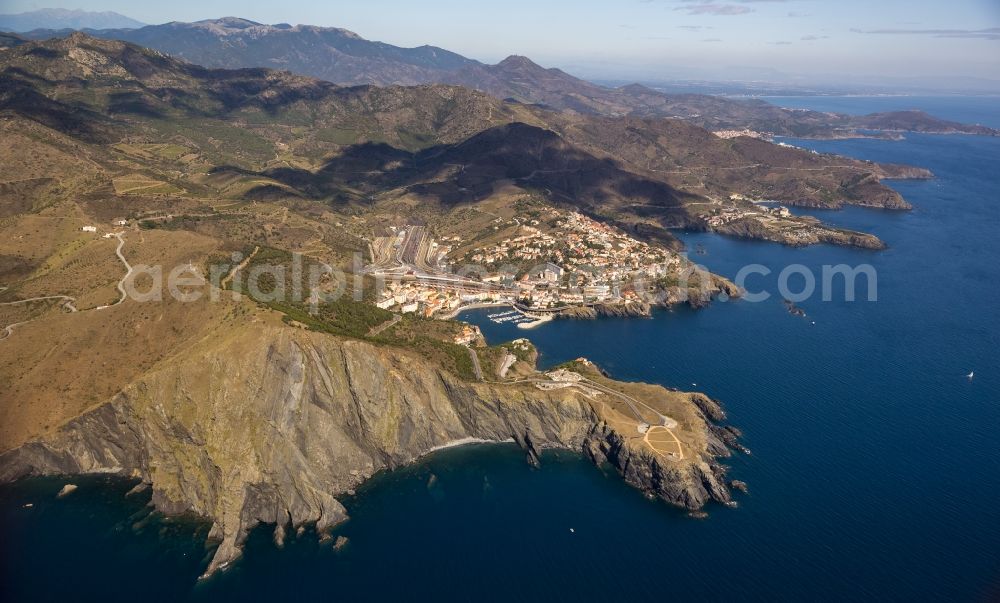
(329, 53)
(343, 57)
(60, 18)
(621, 168)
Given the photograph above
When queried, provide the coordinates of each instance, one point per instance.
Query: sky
(774, 40)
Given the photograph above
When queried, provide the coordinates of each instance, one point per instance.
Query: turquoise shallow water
(874, 468)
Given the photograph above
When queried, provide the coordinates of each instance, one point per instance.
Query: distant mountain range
(333, 54)
(343, 57)
(61, 18)
(444, 142)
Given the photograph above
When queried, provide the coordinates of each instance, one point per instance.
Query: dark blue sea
(966, 109)
(875, 471)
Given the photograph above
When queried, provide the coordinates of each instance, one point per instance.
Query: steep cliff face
(269, 424)
(629, 309)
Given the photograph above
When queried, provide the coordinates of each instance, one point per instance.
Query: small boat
(971, 375)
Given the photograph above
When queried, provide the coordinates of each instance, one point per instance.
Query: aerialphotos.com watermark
(828, 274)
(318, 283)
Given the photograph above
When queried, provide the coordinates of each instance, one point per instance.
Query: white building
(597, 291)
(409, 307)
(89, 229)
(551, 272)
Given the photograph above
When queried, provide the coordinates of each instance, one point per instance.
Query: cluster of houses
(744, 132)
(577, 244)
(578, 260)
(412, 297)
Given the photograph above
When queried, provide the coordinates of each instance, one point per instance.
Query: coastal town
(556, 260)
(727, 134)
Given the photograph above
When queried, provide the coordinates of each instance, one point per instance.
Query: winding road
(128, 270)
(9, 329)
(68, 301)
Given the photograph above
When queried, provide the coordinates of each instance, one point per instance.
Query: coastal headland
(269, 423)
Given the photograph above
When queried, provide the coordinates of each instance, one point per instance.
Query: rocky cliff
(617, 310)
(812, 233)
(269, 424)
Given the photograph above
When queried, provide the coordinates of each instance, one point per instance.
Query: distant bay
(965, 109)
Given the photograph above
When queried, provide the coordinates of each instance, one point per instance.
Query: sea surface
(875, 468)
(965, 109)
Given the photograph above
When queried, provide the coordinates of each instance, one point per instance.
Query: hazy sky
(647, 38)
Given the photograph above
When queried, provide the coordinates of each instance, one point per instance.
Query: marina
(513, 316)
(519, 318)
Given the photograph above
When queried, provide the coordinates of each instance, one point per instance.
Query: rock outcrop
(617, 310)
(271, 424)
(749, 228)
(697, 296)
